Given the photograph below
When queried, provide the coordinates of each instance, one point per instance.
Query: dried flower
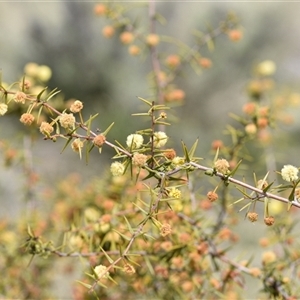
(139, 159)
(117, 168)
(46, 128)
(269, 221)
(212, 196)
(159, 139)
(222, 166)
(76, 145)
(175, 193)
(3, 109)
(99, 140)
(165, 229)
(289, 173)
(76, 107)
(252, 216)
(67, 120)
(27, 119)
(19, 97)
(129, 269)
(101, 271)
(135, 141)
(170, 153)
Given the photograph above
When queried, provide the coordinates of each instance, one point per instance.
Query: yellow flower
(159, 139)
(134, 141)
(101, 271)
(117, 169)
(289, 173)
(76, 107)
(67, 120)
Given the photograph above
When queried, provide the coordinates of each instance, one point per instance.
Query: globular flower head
(46, 128)
(76, 107)
(177, 161)
(212, 196)
(170, 154)
(139, 159)
(165, 229)
(117, 168)
(135, 141)
(27, 119)
(76, 145)
(67, 120)
(159, 139)
(19, 97)
(252, 216)
(222, 166)
(289, 173)
(101, 271)
(26, 85)
(269, 221)
(3, 109)
(175, 193)
(99, 140)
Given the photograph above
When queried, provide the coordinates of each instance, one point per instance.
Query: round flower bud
(134, 50)
(159, 139)
(126, 37)
(108, 31)
(46, 128)
(3, 109)
(217, 144)
(175, 95)
(135, 141)
(249, 108)
(76, 107)
(269, 221)
(99, 140)
(173, 61)
(289, 173)
(205, 63)
(252, 216)
(26, 84)
(19, 97)
(235, 35)
(152, 39)
(100, 9)
(67, 120)
(117, 168)
(212, 196)
(27, 119)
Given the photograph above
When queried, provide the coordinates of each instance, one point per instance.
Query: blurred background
(67, 37)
